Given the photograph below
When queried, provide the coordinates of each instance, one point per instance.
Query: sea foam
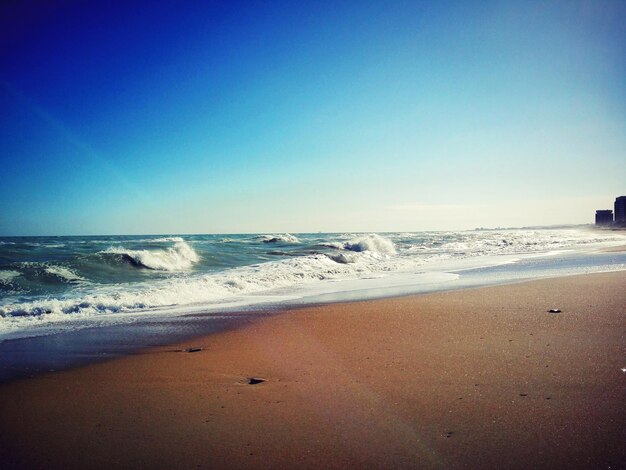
(373, 243)
(63, 273)
(43, 286)
(179, 257)
(7, 276)
(282, 238)
(206, 288)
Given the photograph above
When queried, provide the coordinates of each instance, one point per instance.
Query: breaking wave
(63, 273)
(374, 243)
(46, 272)
(283, 238)
(42, 286)
(206, 288)
(179, 257)
(166, 239)
(7, 276)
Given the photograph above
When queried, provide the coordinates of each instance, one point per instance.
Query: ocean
(52, 284)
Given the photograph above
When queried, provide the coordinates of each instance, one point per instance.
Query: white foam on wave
(518, 241)
(205, 288)
(281, 238)
(61, 272)
(64, 273)
(354, 257)
(336, 245)
(344, 258)
(7, 276)
(373, 243)
(179, 257)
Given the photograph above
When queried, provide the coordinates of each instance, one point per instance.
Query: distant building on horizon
(604, 217)
(620, 209)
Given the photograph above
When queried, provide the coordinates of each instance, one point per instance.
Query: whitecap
(281, 238)
(336, 245)
(373, 243)
(63, 273)
(166, 239)
(179, 257)
(7, 276)
(208, 287)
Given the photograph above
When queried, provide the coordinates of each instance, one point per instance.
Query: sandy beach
(480, 378)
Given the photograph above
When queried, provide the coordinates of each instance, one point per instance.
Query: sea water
(51, 284)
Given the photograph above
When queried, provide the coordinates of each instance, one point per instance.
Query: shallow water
(50, 284)
(44, 346)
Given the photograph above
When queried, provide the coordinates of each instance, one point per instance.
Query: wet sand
(480, 378)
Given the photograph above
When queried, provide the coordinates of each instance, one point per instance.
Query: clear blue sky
(204, 117)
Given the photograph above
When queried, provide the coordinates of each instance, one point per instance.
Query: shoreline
(95, 341)
(79, 309)
(29, 356)
(426, 380)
